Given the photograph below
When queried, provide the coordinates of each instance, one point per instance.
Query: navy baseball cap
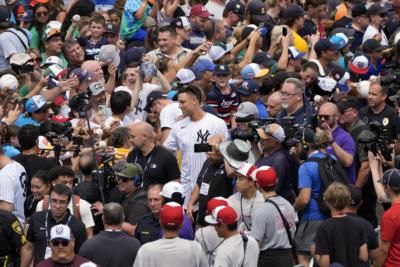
(248, 87)
(222, 69)
(391, 178)
(153, 96)
(323, 45)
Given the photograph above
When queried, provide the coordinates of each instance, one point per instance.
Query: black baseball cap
(306, 134)
(376, 9)
(359, 10)
(258, 10)
(222, 69)
(372, 45)
(236, 7)
(355, 195)
(153, 96)
(263, 59)
(348, 102)
(292, 12)
(5, 14)
(323, 45)
(111, 28)
(346, 31)
(391, 178)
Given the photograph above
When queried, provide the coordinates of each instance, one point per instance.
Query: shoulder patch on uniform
(16, 226)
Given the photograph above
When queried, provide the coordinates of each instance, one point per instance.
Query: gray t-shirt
(10, 44)
(171, 252)
(209, 241)
(268, 225)
(231, 252)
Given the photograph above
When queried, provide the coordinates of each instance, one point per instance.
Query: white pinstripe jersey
(13, 187)
(183, 136)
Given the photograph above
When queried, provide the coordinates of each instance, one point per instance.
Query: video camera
(379, 142)
(80, 103)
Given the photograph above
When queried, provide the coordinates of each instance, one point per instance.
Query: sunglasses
(42, 14)
(325, 117)
(123, 179)
(57, 243)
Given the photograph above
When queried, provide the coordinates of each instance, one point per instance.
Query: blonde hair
(322, 139)
(337, 196)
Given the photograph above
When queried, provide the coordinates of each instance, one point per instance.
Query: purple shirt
(186, 232)
(346, 142)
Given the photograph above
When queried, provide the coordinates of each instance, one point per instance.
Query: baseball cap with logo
(253, 70)
(248, 87)
(54, 70)
(111, 28)
(83, 75)
(264, 59)
(359, 10)
(216, 202)
(152, 97)
(222, 69)
(323, 45)
(60, 231)
(294, 53)
(359, 64)
(237, 7)
(52, 60)
(148, 69)
(181, 22)
(172, 214)
(50, 33)
(34, 103)
(109, 54)
(265, 176)
(341, 76)
(326, 85)
(348, 32)
(185, 76)
(216, 52)
(171, 188)
(97, 87)
(200, 11)
(5, 14)
(128, 170)
(376, 9)
(339, 40)
(222, 215)
(391, 178)
(272, 130)
(258, 10)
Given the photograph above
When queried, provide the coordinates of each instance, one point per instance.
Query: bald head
(113, 214)
(142, 135)
(329, 108)
(94, 67)
(274, 104)
(143, 128)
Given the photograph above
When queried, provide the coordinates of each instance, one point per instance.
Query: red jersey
(390, 231)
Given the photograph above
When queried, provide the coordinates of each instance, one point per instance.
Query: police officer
(11, 239)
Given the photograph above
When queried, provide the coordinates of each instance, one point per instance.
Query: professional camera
(54, 132)
(105, 175)
(80, 103)
(378, 142)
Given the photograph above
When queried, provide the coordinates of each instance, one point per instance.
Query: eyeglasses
(325, 117)
(123, 179)
(57, 243)
(383, 15)
(41, 14)
(286, 94)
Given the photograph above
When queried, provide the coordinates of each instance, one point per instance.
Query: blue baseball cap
(35, 103)
(248, 87)
(339, 40)
(202, 65)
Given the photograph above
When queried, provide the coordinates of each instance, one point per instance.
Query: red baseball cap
(265, 176)
(171, 214)
(222, 214)
(200, 10)
(216, 202)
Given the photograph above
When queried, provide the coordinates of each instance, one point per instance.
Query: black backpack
(330, 170)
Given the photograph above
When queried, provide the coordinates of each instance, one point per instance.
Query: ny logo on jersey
(138, 107)
(202, 137)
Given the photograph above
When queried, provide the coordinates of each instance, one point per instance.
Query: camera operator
(342, 145)
(293, 97)
(377, 110)
(275, 155)
(348, 108)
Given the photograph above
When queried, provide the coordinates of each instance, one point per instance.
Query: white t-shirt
(126, 121)
(231, 252)
(170, 252)
(169, 115)
(183, 136)
(84, 209)
(370, 33)
(245, 209)
(13, 187)
(209, 242)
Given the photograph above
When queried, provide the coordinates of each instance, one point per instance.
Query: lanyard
(147, 164)
(248, 227)
(46, 226)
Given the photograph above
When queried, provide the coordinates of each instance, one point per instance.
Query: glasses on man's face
(123, 179)
(57, 243)
(286, 94)
(324, 117)
(42, 14)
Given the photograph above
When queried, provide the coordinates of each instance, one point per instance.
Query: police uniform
(11, 239)
(148, 229)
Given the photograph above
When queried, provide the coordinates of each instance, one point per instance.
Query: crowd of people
(199, 133)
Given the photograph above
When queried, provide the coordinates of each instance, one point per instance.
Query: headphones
(138, 179)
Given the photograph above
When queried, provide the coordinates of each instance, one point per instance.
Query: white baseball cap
(96, 88)
(109, 54)
(172, 187)
(60, 231)
(53, 60)
(9, 81)
(185, 76)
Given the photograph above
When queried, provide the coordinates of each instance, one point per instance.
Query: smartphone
(284, 31)
(204, 147)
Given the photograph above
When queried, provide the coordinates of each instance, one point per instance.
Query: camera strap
(19, 38)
